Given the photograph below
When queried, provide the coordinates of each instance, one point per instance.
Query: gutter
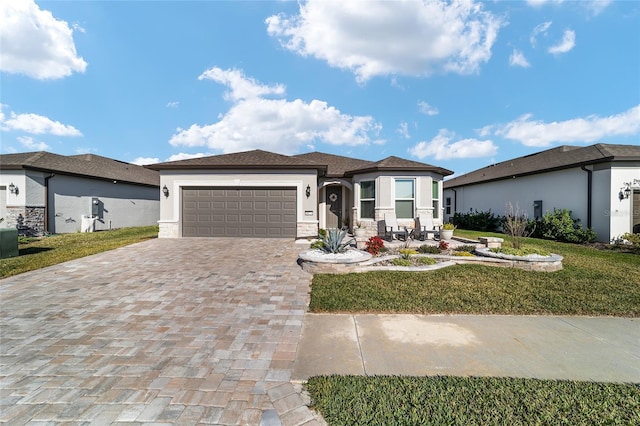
(589, 190)
(46, 202)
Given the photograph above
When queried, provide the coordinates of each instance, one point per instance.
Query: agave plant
(333, 241)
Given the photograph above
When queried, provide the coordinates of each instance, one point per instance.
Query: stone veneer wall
(168, 230)
(29, 221)
(307, 229)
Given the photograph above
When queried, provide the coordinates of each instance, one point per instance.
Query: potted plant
(360, 231)
(446, 232)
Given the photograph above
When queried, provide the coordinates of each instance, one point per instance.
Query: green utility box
(8, 243)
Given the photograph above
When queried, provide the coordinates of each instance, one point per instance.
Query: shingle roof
(562, 157)
(87, 165)
(337, 164)
(401, 165)
(332, 165)
(256, 159)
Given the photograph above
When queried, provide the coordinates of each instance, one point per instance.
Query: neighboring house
(41, 192)
(600, 184)
(263, 194)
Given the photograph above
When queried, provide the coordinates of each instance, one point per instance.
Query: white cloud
(404, 130)
(274, 124)
(141, 161)
(173, 104)
(29, 143)
(539, 29)
(427, 109)
(517, 59)
(442, 147)
(595, 7)
(379, 38)
(567, 43)
(35, 124)
(582, 130)
(242, 87)
(35, 43)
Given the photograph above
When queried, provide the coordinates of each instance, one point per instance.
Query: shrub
(374, 245)
(515, 224)
(401, 262)
(406, 253)
(427, 249)
(560, 226)
(634, 240)
(463, 254)
(477, 221)
(465, 248)
(443, 245)
(425, 261)
(333, 241)
(317, 245)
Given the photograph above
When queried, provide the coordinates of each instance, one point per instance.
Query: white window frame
(369, 199)
(412, 199)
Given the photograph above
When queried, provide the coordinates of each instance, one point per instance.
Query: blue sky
(459, 85)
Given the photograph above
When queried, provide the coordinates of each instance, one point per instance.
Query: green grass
(593, 282)
(48, 251)
(393, 400)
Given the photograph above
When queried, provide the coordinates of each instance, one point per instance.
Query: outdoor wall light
(165, 191)
(308, 191)
(13, 189)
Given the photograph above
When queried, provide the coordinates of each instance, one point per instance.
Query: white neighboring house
(42, 192)
(600, 184)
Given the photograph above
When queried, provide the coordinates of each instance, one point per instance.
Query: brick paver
(169, 331)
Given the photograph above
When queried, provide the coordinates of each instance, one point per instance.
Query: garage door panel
(239, 212)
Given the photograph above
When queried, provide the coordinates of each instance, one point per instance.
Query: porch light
(165, 191)
(13, 189)
(308, 191)
(627, 192)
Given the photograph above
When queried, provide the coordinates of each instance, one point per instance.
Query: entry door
(334, 206)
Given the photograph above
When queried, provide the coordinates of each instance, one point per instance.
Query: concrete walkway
(168, 331)
(579, 348)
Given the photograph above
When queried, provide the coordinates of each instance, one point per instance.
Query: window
(435, 198)
(447, 204)
(405, 198)
(367, 199)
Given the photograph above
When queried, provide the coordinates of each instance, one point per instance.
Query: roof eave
(438, 170)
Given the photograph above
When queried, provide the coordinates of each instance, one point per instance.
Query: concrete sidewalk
(579, 348)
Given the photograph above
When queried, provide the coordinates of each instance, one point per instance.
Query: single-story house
(42, 192)
(599, 184)
(263, 194)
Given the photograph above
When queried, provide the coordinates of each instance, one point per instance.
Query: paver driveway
(177, 331)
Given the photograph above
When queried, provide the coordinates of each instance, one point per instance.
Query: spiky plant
(333, 241)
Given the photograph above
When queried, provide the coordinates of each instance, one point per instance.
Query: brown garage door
(239, 212)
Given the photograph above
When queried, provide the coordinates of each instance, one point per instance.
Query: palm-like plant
(333, 241)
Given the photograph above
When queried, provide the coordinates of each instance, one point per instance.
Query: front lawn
(36, 253)
(593, 282)
(393, 400)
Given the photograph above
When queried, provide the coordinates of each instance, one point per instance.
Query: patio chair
(392, 229)
(424, 228)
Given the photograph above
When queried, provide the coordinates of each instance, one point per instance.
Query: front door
(334, 206)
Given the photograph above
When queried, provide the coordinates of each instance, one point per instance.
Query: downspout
(589, 190)
(455, 201)
(46, 202)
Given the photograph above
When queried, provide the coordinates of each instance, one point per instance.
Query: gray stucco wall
(119, 205)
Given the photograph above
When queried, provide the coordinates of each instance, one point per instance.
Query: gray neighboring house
(600, 184)
(42, 192)
(261, 194)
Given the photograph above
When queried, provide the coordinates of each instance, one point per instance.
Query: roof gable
(89, 165)
(562, 157)
(397, 164)
(337, 165)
